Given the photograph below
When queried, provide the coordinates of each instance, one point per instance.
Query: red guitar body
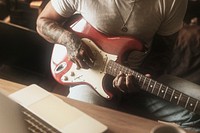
(108, 45)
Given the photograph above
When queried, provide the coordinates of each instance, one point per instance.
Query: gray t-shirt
(147, 18)
(144, 18)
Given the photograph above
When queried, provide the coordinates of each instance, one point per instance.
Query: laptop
(33, 109)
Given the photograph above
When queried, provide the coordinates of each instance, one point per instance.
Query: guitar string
(168, 92)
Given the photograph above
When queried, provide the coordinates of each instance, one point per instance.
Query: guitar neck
(156, 88)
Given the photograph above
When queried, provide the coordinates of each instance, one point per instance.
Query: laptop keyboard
(35, 124)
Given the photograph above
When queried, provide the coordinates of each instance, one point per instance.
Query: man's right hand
(84, 57)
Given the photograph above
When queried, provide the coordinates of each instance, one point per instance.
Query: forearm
(54, 33)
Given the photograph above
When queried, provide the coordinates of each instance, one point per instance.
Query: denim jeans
(140, 103)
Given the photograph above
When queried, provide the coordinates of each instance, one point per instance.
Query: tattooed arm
(49, 27)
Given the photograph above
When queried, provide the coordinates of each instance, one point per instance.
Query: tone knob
(72, 74)
(65, 78)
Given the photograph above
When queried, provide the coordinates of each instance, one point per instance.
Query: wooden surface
(117, 122)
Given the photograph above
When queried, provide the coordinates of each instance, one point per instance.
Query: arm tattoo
(54, 33)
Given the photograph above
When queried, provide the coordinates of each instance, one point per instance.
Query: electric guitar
(109, 52)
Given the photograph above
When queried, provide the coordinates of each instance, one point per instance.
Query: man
(149, 21)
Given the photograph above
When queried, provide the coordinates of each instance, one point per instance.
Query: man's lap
(143, 104)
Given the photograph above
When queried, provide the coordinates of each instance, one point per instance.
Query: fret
(159, 89)
(165, 92)
(169, 93)
(125, 70)
(112, 71)
(111, 68)
(148, 85)
(128, 71)
(191, 104)
(120, 68)
(188, 98)
(108, 68)
(135, 74)
(156, 88)
(113, 65)
(179, 98)
(172, 95)
(195, 107)
(143, 82)
(117, 68)
(176, 97)
(183, 100)
(140, 77)
(153, 87)
(162, 91)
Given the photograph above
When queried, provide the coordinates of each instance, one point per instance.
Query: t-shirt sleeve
(64, 8)
(173, 17)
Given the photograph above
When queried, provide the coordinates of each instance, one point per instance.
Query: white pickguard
(93, 76)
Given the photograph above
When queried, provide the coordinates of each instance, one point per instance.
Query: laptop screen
(11, 118)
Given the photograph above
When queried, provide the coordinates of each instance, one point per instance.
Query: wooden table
(117, 122)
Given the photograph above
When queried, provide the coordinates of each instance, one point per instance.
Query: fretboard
(156, 88)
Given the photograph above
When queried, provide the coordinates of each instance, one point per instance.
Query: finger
(83, 64)
(148, 75)
(89, 57)
(121, 84)
(89, 52)
(130, 83)
(114, 83)
(115, 80)
(118, 82)
(75, 62)
(87, 61)
(121, 81)
(79, 61)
